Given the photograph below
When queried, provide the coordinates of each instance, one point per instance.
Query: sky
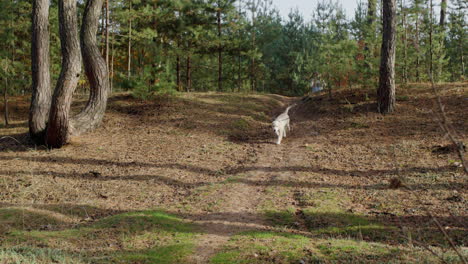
(306, 7)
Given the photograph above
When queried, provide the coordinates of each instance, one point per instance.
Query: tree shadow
(236, 170)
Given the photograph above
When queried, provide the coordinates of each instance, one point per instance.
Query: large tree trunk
(96, 71)
(58, 127)
(40, 64)
(386, 90)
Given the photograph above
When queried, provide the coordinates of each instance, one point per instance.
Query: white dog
(280, 124)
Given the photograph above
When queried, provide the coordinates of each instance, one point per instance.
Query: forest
(238, 46)
(145, 131)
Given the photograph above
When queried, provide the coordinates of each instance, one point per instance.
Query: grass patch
(38, 256)
(139, 237)
(358, 125)
(265, 247)
(25, 219)
(324, 214)
(402, 98)
(241, 124)
(349, 251)
(161, 255)
(284, 218)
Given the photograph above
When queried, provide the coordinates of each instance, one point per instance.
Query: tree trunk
(40, 64)
(405, 44)
(443, 11)
(107, 34)
(58, 127)
(386, 89)
(431, 32)
(111, 82)
(96, 71)
(189, 74)
(129, 55)
(418, 62)
(179, 86)
(5, 102)
(371, 11)
(220, 58)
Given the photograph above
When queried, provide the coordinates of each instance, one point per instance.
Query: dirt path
(242, 199)
(238, 213)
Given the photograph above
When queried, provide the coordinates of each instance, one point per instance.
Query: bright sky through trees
(306, 7)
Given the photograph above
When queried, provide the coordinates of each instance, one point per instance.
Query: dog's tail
(289, 107)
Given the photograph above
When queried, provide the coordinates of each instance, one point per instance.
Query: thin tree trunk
(239, 73)
(431, 29)
(220, 58)
(418, 75)
(111, 74)
(5, 103)
(129, 60)
(239, 77)
(189, 74)
(107, 34)
(178, 70)
(58, 127)
(405, 44)
(103, 32)
(443, 11)
(96, 71)
(386, 89)
(371, 17)
(253, 81)
(40, 64)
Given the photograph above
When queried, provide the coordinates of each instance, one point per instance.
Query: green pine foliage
(174, 45)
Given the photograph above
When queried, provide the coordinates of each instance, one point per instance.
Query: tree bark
(405, 44)
(58, 127)
(40, 64)
(220, 55)
(96, 71)
(431, 32)
(179, 86)
(178, 71)
(129, 52)
(443, 11)
(111, 70)
(418, 60)
(386, 89)
(107, 34)
(5, 103)
(189, 74)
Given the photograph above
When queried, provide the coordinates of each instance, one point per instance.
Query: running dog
(280, 124)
